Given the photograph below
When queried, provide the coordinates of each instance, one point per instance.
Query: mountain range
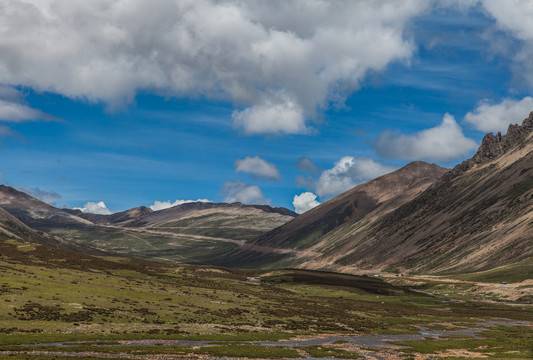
(421, 218)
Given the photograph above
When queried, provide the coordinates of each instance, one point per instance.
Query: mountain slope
(13, 228)
(190, 233)
(373, 198)
(363, 204)
(476, 217)
(35, 213)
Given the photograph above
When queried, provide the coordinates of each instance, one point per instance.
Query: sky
(107, 105)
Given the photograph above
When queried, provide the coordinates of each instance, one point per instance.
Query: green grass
(323, 351)
(512, 342)
(516, 272)
(49, 295)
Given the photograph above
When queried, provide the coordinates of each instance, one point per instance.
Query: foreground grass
(515, 343)
(48, 295)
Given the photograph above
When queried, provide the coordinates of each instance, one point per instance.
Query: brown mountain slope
(477, 216)
(35, 213)
(362, 204)
(114, 218)
(373, 198)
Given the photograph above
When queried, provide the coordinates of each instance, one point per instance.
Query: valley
(421, 263)
(58, 304)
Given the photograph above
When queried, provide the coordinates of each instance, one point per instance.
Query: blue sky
(225, 101)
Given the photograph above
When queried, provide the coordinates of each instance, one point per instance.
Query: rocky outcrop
(494, 146)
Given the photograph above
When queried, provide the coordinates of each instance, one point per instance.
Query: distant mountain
(13, 228)
(420, 218)
(35, 213)
(192, 233)
(114, 218)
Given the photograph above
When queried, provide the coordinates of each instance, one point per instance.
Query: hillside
(191, 233)
(35, 213)
(363, 204)
(477, 216)
(13, 228)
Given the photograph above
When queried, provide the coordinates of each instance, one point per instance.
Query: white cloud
(513, 15)
(441, 143)
(239, 191)
(514, 18)
(258, 168)
(271, 116)
(95, 208)
(489, 117)
(160, 205)
(305, 201)
(305, 164)
(279, 62)
(14, 109)
(347, 173)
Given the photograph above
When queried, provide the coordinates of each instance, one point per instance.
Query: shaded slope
(13, 228)
(363, 203)
(35, 213)
(379, 196)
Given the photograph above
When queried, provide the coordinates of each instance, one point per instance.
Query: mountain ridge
(474, 217)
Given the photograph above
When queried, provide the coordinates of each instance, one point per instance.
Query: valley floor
(56, 304)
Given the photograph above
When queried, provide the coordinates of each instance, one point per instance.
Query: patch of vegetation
(503, 342)
(516, 272)
(322, 351)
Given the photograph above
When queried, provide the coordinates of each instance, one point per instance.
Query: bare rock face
(493, 146)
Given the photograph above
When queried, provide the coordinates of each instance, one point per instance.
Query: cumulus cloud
(441, 143)
(95, 208)
(258, 168)
(160, 205)
(347, 173)
(305, 164)
(305, 201)
(239, 191)
(279, 62)
(513, 15)
(49, 197)
(489, 117)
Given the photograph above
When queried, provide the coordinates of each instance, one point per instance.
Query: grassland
(49, 295)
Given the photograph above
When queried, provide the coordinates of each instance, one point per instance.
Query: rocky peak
(493, 146)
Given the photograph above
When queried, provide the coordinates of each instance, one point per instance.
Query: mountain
(364, 202)
(477, 216)
(310, 233)
(191, 233)
(114, 218)
(13, 228)
(35, 213)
